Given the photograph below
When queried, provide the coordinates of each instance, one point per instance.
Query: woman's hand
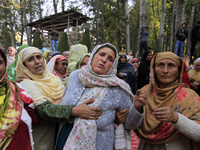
(195, 85)
(20, 78)
(165, 114)
(121, 75)
(121, 115)
(84, 111)
(140, 99)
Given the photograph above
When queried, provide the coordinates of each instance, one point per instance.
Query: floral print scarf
(83, 134)
(178, 97)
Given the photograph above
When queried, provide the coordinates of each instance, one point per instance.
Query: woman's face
(85, 61)
(2, 67)
(166, 71)
(35, 64)
(197, 66)
(61, 67)
(123, 59)
(49, 56)
(149, 56)
(103, 61)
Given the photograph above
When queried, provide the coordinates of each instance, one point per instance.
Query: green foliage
(37, 42)
(86, 40)
(63, 43)
(9, 40)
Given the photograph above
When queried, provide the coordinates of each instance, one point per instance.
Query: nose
(37, 60)
(104, 59)
(165, 69)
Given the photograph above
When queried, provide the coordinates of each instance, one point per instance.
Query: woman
(11, 55)
(195, 76)
(84, 60)
(58, 66)
(66, 54)
(15, 107)
(76, 52)
(46, 89)
(144, 70)
(172, 113)
(97, 79)
(47, 55)
(126, 72)
(11, 70)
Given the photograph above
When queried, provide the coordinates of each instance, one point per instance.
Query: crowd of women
(80, 100)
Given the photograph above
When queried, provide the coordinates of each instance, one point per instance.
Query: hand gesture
(165, 114)
(20, 78)
(140, 99)
(84, 111)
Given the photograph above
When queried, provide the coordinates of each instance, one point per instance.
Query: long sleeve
(134, 119)
(47, 110)
(188, 127)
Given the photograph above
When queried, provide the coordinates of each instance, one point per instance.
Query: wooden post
(76, 29)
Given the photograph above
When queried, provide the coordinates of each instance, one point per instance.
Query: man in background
(181, 35)
(143, 40)
(54, 39)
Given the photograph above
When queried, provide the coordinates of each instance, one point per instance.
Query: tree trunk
(162, 22)
(119, 35)
(40, 9)
(97, 21)
(22, 21)
(103, 22)
(180, 12)
(55, 6)
(172, 27)
(127, 28)
(25, 22)
(63, 5)
(190, 30)
(143, 13)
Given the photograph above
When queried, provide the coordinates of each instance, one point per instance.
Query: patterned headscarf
(100, 85)
(10, 109)
(178, 97)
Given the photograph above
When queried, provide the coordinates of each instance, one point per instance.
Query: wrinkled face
(123, 59)
(35, 64)
(166, 71)
(103, 61)
(2, 67)
(61, 67)
(149, 56)
(197, 66)
(85, 61)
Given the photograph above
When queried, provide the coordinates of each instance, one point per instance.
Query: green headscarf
(11, 70)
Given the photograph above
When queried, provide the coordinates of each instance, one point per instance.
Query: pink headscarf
(51, 65)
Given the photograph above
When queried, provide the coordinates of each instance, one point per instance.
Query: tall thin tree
(162, 22)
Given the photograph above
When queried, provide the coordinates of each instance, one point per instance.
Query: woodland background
(115, 21)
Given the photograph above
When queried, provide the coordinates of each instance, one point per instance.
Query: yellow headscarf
(178, 97)
(50, 85)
